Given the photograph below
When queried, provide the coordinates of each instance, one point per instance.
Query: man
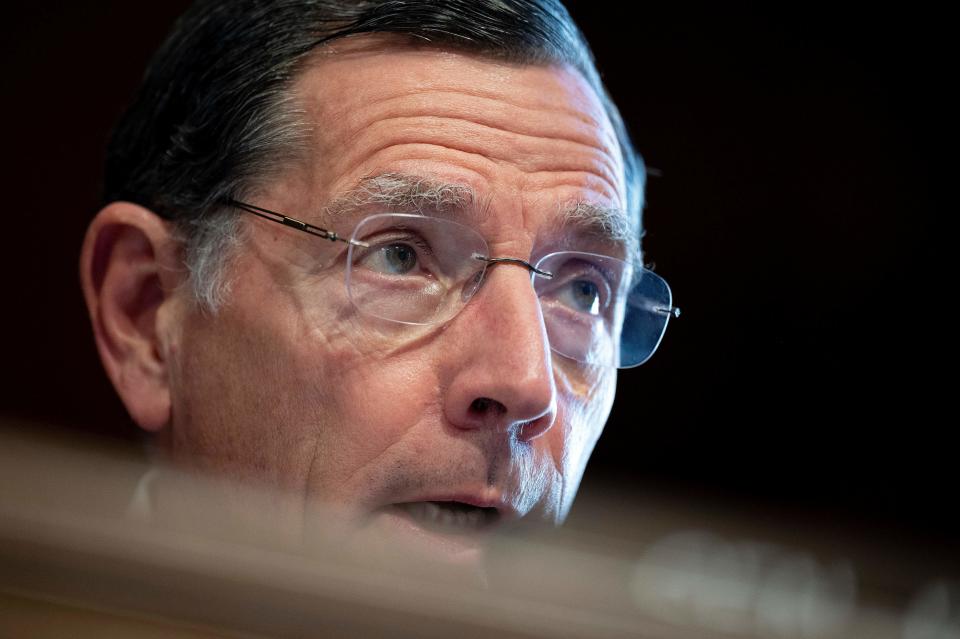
(430, 334)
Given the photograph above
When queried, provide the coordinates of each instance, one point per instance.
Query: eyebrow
(605, 223)
(407, 192)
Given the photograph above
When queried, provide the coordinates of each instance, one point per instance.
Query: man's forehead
(420, 66)
(340, 87)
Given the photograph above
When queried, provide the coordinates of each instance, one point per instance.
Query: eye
(397, 256)
(582, 295)
(580, 283)
(398, 259)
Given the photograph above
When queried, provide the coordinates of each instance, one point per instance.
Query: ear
(129, 272)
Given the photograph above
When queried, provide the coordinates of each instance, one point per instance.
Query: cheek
(584, 415)
(380, 400)
(251, 386)
(227, 402)
(373, 395)
(590, 412)
(280, 387)
(376, 373)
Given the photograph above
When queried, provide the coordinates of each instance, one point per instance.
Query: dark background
(797, 204)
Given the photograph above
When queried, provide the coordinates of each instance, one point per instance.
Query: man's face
(289, 383)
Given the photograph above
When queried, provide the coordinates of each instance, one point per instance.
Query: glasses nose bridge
(534, 271)
(488, 262)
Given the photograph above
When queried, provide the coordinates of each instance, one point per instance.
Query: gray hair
(214, 118)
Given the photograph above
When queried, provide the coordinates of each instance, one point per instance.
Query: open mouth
(450, 516)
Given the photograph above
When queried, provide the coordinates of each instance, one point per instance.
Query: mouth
(454, 528)
(450, 517)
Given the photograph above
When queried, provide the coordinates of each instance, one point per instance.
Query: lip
(506, 513)
(398, 521)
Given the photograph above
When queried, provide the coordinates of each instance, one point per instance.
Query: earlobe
(128, 278)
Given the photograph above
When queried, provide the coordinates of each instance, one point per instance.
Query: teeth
(454, 517)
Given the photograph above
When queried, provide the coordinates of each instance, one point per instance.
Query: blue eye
(582, 296)
(580, 283)
(395, 257)
(398, 259)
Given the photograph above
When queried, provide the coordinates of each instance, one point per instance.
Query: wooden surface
(74, 564)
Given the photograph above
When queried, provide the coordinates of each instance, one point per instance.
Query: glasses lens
(597, 311)
(648, 308)
(415, 269)
(422, 270)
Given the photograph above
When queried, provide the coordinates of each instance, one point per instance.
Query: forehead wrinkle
(492, 111)
(571, 93)
(530, 152)
(489, 109)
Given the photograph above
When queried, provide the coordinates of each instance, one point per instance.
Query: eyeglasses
(421, 270)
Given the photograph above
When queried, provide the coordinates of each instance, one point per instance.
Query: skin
(289, 386)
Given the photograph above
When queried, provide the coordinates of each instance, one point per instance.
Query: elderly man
(377, 254)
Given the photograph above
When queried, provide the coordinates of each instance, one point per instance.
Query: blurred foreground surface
(76, 561)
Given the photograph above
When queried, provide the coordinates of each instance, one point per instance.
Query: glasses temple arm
(293, 222)
(673, 310)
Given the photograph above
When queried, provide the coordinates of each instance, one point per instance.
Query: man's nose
(501, 374)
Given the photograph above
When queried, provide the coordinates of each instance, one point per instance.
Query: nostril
(483, 405)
